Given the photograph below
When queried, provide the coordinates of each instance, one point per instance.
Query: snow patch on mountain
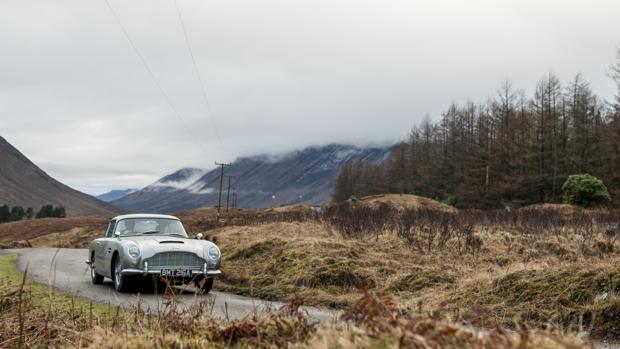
(182, 179)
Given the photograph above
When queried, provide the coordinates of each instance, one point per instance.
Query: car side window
(110, 230)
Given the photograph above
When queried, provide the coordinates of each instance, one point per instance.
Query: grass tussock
(277, 267)
(377, 323)
(574, 299)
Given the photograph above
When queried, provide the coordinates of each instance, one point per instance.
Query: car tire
(121, 282)
(205, 285)
(94, 276)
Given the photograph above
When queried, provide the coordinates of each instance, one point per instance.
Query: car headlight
(134, 251)
(214, 253)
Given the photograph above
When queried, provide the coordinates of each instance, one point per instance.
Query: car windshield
(150, 226)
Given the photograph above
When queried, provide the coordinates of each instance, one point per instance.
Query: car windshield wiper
(151, 232)
(174, 234)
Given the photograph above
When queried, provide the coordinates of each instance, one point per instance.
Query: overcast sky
(279, 75)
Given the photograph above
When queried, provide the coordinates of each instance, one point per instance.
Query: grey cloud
(279, 75)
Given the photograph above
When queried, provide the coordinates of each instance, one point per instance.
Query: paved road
(65, 269)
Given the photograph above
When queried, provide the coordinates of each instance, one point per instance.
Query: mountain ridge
(115, 194)
(23, 183)
(302, 176)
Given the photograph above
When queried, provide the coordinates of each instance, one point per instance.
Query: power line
(203, 90)
(151, 74)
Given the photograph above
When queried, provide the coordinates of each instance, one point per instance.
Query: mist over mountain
(305, 176)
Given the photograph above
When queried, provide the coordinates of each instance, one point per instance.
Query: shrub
(450, 200)
(585, 190)
(17, 213)
(51, 211)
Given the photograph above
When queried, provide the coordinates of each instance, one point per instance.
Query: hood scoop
(171, 242)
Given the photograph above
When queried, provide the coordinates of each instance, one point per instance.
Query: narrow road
(65, 269)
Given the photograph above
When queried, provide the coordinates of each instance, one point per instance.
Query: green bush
(585, 190)
(51, 211)
(450, 200)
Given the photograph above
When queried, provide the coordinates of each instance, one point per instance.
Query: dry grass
(57, 232)
(405, 201)
(35, 316)
(524, 263)
(564, 208)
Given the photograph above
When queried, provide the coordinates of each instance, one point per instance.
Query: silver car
(148, 247)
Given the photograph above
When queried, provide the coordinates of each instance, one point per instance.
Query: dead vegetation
(35, 316)
(543, 266)
(57, 232)
(405, 201)
(582, 299)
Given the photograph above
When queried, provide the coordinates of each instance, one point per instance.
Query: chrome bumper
(157, 271)
(133, 271)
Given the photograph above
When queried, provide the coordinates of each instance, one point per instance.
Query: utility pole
(228, 191)
(219, 201)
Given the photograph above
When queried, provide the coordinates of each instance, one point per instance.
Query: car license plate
(176, 272)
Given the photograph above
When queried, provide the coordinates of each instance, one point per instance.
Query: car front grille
(176, 260)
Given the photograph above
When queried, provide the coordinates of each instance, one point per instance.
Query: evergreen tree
(59, 212)
(4, 213)
(45, 211)
(17, 213)
(585, 190)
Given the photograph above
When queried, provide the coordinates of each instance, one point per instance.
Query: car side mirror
(117, 234)
(199, 236)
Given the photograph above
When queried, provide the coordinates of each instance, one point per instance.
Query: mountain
(24, 184)
(115, 194)
(306, 176)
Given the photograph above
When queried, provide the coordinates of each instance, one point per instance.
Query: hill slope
(115, 194)
(22, 183)
(306, 176)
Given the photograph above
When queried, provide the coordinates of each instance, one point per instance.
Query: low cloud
(279, 75)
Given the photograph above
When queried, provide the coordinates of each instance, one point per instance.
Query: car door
(101, 253)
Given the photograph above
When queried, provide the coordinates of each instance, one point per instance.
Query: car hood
(150, 245)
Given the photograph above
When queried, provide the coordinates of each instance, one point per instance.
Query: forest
(510, 151)
(17, 213)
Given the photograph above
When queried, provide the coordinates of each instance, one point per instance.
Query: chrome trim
(176, 260)
(134, 271)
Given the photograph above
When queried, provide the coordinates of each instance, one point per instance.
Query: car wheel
(94, 276)
(205, 285)
(121, 282)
